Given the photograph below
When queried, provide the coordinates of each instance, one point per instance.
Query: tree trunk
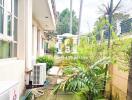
(89, 96)
(129, 89)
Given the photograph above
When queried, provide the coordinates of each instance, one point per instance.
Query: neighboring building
(22, 26)
(126, 26)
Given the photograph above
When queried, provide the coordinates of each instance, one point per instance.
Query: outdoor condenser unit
(39, 74)
(9, 90)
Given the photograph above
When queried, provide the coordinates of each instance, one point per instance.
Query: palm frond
(102, 61)
(117, 6)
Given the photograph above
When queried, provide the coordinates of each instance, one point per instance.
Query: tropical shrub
(52, 50)
(85, 81)
(46, 59)
(86, 72)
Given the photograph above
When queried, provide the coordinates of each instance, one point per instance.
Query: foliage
(106, 8)
(46, 59)
(100, 27)
(86, 74)
(120, 51)
(52, 50)
(67, 44)
(63, 22)
(87, 81)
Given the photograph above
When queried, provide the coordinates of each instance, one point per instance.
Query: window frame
(4, 36)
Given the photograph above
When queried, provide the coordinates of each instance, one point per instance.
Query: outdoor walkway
(48, 95)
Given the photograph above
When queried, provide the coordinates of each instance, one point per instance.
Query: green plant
(45, 59)
(52, 51)
(86, 74)
(85, 81)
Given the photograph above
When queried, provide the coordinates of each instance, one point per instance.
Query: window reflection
(15, 29)
(1, 20)
(15, 7)
(8, 5)
(9, 24)
(5, 49)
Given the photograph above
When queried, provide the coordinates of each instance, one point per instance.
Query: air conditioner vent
(39, 74)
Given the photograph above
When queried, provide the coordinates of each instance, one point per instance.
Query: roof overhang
(43, 12)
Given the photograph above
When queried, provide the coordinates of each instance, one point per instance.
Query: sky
(90, 11)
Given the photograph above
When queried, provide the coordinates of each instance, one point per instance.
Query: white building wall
(40, 44)
(34, 42)
(13, 70)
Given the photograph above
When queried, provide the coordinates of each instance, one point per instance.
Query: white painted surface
(43, 12)
(39, 74)
(55, 71)
(9, 90)
(13, 70)
(28, 23)
(34, 40)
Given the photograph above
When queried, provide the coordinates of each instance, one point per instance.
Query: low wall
(119, 83)
(13, 69)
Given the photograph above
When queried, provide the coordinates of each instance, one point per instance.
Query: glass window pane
(9, 24)
(14, 50)
(1, 20)
(9, 5)
(15, 7)
(15, 29)
(5, 50)
(1, 2)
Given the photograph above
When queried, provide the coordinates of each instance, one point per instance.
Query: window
(1, 20)
(1, 2)
(5, 51)
(9, 22)
(15, 7)
(8, 34)
(15, 29)
(42, 43)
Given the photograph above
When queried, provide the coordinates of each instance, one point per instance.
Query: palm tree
(109, 10)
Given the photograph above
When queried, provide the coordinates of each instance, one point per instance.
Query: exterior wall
(38, 36)
(13, 70)
(119, 83)
(29, 39)
(40, 44)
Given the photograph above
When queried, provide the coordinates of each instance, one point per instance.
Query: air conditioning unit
(39, 74)
(9, 90)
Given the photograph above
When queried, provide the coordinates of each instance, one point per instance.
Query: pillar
(59, 43)
(74, 45)
(28, 33)
(34, 41)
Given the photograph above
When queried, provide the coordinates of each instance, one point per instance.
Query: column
(40, 43)
(28, 33)
(59, 43)
(34, 43)
(21, 30)
(74, 45)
